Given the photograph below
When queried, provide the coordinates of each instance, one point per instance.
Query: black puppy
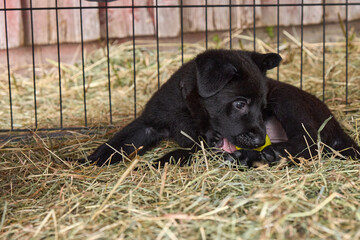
(224, 97)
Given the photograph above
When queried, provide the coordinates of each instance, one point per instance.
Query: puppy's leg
(295, 146)
(136, 134)
(296, 149)
(303, 143)
(182, 156)
(346, 146)
(298, 146)
(271, 154)
(178, 156)
(244, 157)
(302, 115)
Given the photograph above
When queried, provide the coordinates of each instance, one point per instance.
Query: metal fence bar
(33, 62)
(83, 63)
(230, 27)
(8, 67)
(134, 56)
(254, 25)
(324, 45)
(302, 44)
(206, 25)
(157, 43)
(278, 37)
(52, 129)
(347, 53)
(182, 31)
(108, 61)
(59, 62)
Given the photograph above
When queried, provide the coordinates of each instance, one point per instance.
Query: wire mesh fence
(64, 118)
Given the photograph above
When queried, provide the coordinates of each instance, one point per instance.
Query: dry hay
(43, 197)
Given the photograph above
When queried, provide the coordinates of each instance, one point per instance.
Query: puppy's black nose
(258, 141)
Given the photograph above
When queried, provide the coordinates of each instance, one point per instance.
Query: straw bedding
(44, 197)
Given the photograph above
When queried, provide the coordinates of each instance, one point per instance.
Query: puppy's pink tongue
(227, 146)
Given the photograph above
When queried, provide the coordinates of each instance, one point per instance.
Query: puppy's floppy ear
(212, 74)
(266, 61)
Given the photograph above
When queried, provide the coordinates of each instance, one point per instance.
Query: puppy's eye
(240, 104)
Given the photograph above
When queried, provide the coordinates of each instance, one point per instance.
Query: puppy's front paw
(104, 155)
(270, 155)
(100, 161)
(249, 158)
(213, 139)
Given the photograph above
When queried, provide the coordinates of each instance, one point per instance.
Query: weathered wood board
(44, 22)
(121, 18)
(15, 28)
(243, 17)
(332, 12)
(169, 19)
(195, 18)
(290, 15)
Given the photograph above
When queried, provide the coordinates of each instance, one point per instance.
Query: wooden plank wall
(15, 25)
(120, 19)
(44, 22)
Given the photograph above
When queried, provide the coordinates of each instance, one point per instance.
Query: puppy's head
(233, 89)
